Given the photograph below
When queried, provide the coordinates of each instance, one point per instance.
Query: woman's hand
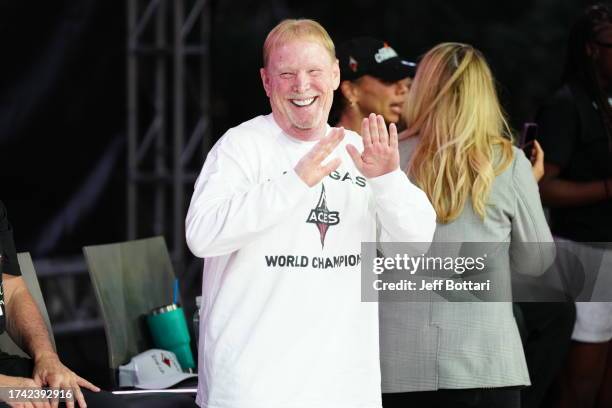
(537, 160)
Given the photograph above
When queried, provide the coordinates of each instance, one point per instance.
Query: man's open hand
(50, 372)
(380, 152)
(310, 167)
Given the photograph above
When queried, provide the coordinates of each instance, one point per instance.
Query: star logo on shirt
(322, 217)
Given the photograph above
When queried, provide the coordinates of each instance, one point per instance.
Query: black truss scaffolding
(168, 115)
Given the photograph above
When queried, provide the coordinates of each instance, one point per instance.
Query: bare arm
(27, 328)
(557, 192)
(24, 322)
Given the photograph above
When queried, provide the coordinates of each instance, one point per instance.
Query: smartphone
(529, 134)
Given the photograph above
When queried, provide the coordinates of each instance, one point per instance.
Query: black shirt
(8, 260)
(573, 137)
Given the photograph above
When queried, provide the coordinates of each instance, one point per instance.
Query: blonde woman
(457, 148)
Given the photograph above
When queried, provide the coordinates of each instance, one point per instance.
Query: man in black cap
(374, 79)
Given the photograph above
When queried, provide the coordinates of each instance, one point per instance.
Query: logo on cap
(385, 53)
(353, 64)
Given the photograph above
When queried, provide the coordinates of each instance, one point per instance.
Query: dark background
(63, 93)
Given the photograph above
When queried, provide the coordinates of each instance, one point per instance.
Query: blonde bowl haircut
(297, 29)
(465, 140)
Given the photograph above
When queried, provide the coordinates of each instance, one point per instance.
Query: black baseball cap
(368, 56)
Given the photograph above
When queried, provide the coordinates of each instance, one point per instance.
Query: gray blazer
(440, 345)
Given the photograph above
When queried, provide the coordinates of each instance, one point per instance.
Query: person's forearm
(563, 193)
(25, 324)
(219, 225)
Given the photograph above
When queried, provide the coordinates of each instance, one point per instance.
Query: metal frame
(168, 124)
(70, 300)
(172, 38)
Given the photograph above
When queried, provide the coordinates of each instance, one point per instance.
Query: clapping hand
(310, 168)
(380, 152)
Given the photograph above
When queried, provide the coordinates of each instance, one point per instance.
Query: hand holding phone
(537, 160)
(532, 149)
(528, 136)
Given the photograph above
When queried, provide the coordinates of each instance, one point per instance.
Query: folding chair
(129, 279)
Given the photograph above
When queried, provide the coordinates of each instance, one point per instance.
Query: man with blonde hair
(279, 212)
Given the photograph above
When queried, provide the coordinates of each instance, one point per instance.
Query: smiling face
(300, 78)
(373, 95)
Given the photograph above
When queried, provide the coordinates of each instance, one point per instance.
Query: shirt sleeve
(532, 249)
(9, 262)
(402, 209)
(229, 207)
(558, 128)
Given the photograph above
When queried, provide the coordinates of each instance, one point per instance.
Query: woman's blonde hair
(465, 140)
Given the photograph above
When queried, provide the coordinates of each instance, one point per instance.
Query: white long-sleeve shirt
(282, 324)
